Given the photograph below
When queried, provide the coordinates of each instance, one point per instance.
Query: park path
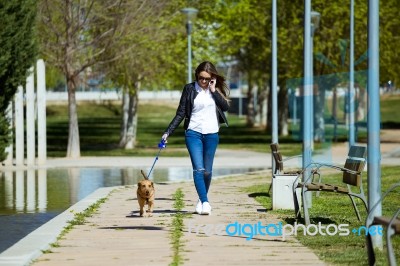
(116, 235)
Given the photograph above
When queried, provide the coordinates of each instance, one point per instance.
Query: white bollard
(19, 126)
(20, 190)
(8, 189)
(10, 148)
(30, 190)
(42, 190)
(30, 119)
(35, 105)
(41, 111)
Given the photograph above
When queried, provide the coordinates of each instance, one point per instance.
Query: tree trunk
(263, 106)
(334, 113)
(132, 122)
(129, 118)
(250, 121)
(319, 107)
(268, 125)
(283, 111)
(362, 104)
(124, 122)
(74, 149)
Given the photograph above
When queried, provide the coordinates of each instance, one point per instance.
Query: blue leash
(161, 145)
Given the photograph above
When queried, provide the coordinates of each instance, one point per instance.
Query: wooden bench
(392, 225)
(278, 163)
(351, 177)
(278, 160)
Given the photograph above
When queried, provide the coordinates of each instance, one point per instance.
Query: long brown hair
(210, 69)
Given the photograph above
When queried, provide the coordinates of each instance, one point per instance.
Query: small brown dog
(145, 195)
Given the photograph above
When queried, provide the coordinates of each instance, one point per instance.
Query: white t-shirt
(204, 116)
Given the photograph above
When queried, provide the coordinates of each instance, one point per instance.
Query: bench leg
(297, 211)
(270, 186)
(391, 257)
(390, 232)
(355, 208)
(319, 181)
(370, 251)
(305, 207)
(361, 197)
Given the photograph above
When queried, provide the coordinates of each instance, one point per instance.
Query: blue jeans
(202, 149)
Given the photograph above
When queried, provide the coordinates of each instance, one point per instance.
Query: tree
(389, 39)
(75, 35)
(243, 30)
(332, 44)
(151, 48)
(242, 34)
(17, 55)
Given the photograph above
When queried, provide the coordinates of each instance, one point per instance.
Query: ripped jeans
(202, 149)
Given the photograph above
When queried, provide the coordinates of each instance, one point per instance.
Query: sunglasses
(204, 79)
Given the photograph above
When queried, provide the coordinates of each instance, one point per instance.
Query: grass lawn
(390, 112)
(333, 208)
(99, 126)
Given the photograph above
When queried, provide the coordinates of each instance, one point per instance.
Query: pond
(30, 198)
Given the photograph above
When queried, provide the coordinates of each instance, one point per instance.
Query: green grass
(390, 115)
(333, 208)
(79, 219)
(99, 126)
(177, 228)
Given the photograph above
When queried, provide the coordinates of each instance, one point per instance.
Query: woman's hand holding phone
(212, 84)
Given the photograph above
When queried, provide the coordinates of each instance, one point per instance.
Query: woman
(202, 105)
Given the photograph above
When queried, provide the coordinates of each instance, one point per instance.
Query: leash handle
(161, 145)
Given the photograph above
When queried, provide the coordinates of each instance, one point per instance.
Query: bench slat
(383, 220)
(324, 187)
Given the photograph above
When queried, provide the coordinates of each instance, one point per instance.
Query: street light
(190, 16)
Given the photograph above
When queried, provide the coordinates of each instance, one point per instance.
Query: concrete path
(116, 235)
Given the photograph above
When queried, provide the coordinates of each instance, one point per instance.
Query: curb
(32, 246)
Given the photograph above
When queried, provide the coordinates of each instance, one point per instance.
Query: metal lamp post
(274, 75)
(190, 15)
(311, 21)
(373, 119)
(352, 136)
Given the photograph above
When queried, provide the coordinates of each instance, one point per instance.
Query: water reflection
(31, 198)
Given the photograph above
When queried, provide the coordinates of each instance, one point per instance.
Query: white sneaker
(199, 207)
(206, 208)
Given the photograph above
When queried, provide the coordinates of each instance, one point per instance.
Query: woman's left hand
(212, 84)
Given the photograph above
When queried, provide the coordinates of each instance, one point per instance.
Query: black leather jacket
(184, 110)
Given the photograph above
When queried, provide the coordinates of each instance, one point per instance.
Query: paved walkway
(116, 235)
